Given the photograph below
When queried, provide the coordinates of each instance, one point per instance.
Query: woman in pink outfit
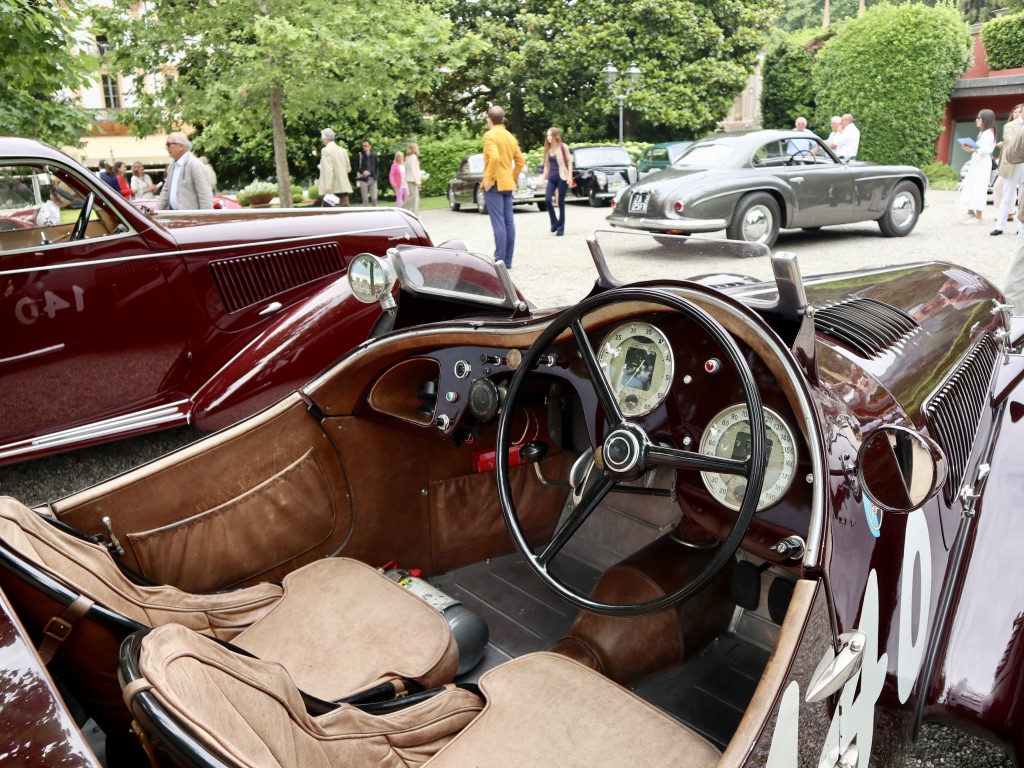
(397, 179)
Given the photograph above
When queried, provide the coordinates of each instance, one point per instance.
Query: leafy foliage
(543, 62)
(39, 71)
(242, 70)
(941, 175)
(1004, 41)
(893, 68)
(788, 84)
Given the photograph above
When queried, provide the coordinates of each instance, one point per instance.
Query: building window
(111, 92)
(101, 44)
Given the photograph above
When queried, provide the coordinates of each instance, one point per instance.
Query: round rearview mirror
(900, 469)
(371, 278)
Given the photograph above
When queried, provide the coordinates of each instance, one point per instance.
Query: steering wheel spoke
(627, 453)
(590, 500)
(598, 381)
(661, 456)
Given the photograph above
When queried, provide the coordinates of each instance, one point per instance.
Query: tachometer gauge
(638, 363)
(728, 436)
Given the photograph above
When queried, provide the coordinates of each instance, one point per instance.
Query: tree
(39, 71)
(243, 66)
(893, 69)
(543, 62)
(787, 76)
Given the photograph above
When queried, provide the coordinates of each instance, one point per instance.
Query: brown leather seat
(338, 626)
(541, 709)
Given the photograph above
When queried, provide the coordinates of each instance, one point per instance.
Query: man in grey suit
(186, 183)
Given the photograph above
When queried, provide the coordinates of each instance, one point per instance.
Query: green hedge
(893, 68)
(788, 83)
(1004, 41)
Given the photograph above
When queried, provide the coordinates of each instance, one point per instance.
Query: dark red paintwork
(35, 727)
(94, 331)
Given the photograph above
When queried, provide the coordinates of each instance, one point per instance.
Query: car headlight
(602, 178)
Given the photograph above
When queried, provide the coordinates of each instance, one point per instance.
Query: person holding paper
(974, 188)
(1008, 184)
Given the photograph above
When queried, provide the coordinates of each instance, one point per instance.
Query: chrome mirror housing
(371, 279)
(900, 469)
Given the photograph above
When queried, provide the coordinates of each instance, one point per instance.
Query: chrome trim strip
(212, 249)
(177, 412)
(690, 225)
(34, 353)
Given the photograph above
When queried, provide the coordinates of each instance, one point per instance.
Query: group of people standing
(405, 175)
(503, 162)
(844, 138)
(1010, 178)
(192, 182)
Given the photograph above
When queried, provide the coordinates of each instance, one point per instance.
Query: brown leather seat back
(249, 712)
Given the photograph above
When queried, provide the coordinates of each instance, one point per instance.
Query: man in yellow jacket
(503, 162)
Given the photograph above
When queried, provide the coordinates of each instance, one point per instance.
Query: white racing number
(28, 309)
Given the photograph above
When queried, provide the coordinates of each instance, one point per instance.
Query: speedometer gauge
(638, 363)
(728, 436)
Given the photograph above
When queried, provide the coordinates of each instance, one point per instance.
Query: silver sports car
(753, 184)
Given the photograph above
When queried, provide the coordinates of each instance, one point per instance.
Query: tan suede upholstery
(542, 710)
(547, 710)
(250, 713)
(338, 625)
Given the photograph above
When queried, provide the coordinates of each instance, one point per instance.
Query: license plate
(638, 203)
(521, 193)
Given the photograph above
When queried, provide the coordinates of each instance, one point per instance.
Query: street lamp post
(631, 78)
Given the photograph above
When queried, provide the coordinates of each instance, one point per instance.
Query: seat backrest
(88, 569)
(249, 712)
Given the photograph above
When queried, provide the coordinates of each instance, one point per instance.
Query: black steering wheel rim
(82, 222)
(629, 431)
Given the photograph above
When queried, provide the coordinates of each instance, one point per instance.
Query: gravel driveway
(555, 271)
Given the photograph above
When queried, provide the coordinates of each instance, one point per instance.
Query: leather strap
(58, 629)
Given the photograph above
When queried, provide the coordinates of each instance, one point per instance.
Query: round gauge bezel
(662, 367)
(780, 491)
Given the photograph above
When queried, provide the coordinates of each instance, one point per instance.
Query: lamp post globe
(631, 78)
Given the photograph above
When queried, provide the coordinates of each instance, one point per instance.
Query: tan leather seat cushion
(250, 710)
(383, 631)
(547, 710)
(338, 625)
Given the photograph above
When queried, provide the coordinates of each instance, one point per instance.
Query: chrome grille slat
(867, 326)
(954, 412)
(247, 280)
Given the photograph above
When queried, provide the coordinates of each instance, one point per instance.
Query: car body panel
(921, 593)
(812, 190)
(467, 183)
(111, 335)
(658, 157)
(600, 171)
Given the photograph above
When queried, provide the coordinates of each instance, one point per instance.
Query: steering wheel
(627, 452)
(803, 155)
(78, 232)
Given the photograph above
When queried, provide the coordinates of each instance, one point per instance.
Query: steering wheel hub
(624, 452)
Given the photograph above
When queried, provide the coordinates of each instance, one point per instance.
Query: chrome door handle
(796, 179)
(835, 669)
(271, 308)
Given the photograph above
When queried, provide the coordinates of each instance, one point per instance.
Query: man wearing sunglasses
(186, 183)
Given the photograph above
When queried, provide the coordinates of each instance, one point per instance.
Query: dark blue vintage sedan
(754, 184)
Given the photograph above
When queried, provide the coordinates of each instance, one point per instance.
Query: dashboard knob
(484, 399)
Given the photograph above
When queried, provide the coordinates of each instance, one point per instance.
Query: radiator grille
(246, 280)
(954, 413)
(869, 327)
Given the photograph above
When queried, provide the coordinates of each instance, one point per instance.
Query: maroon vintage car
(678, 523)
(114, 322)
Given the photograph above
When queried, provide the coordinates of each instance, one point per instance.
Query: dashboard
(666, 373)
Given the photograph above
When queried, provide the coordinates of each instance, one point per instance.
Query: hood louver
(869, 327)
(247, 280)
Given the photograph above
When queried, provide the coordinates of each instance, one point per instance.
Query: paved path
(555, 271)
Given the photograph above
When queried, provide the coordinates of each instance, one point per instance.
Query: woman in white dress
(974, 188)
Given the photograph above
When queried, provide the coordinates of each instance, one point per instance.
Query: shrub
(941, 175)
(1004, 41)
(788, 82)
(893, 68)
(314, 192)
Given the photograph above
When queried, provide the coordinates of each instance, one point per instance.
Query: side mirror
(371, 279)
(900, 469)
